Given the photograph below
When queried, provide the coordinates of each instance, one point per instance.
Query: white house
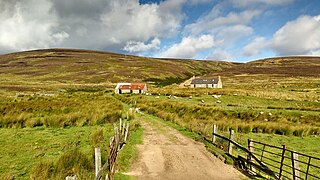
(206, 83)
(135, 88)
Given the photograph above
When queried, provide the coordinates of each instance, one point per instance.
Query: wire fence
(118, 140)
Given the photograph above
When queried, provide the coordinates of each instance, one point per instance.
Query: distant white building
(135, 88)
(206, 83)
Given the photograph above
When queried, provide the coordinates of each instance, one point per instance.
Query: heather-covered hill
(70, 66)
(280, 66)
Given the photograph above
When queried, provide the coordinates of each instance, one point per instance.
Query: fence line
(118, 140)
(277, 162)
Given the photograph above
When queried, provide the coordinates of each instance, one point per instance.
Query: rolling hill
(70, 66)
(295, 73)
(293, 66)
(60, 68)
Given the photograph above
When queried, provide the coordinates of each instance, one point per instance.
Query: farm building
(135, 88)
(206, 83)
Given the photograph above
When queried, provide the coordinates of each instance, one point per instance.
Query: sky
(229, 30)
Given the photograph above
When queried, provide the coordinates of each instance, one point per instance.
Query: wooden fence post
(116, 142)
(126, 133)
(282, 160)
(230, 144)
(295, 166)
(123, 127)
(97, 157)
(251, 150)
(215, 129)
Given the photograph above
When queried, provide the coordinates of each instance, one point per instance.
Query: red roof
(133, 86)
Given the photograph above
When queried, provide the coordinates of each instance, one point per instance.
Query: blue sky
(231, 30)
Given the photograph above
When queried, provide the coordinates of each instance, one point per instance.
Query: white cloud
(227, 30)
(134, 22)
(24, 26)
(255, 47)
(189, 47)
(97, 24)
(211, 23)
(231, 34)
(298, 37)
(220, 55)
(138, 46)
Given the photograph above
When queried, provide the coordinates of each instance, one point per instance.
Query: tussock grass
(60, 110)
(73, 162)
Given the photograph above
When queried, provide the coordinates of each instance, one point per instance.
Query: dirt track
(166, 154)
(186, 83)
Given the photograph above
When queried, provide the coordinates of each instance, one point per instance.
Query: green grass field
(50, 135)
(23, 149)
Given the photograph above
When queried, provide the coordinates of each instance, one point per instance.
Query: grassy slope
(57, 67)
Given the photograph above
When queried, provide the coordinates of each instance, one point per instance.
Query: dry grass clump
(61, 110)
(43, 170)
(73, 162)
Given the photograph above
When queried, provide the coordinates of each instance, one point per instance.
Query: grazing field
(49, 135)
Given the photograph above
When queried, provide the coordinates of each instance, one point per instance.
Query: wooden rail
(273, 163)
